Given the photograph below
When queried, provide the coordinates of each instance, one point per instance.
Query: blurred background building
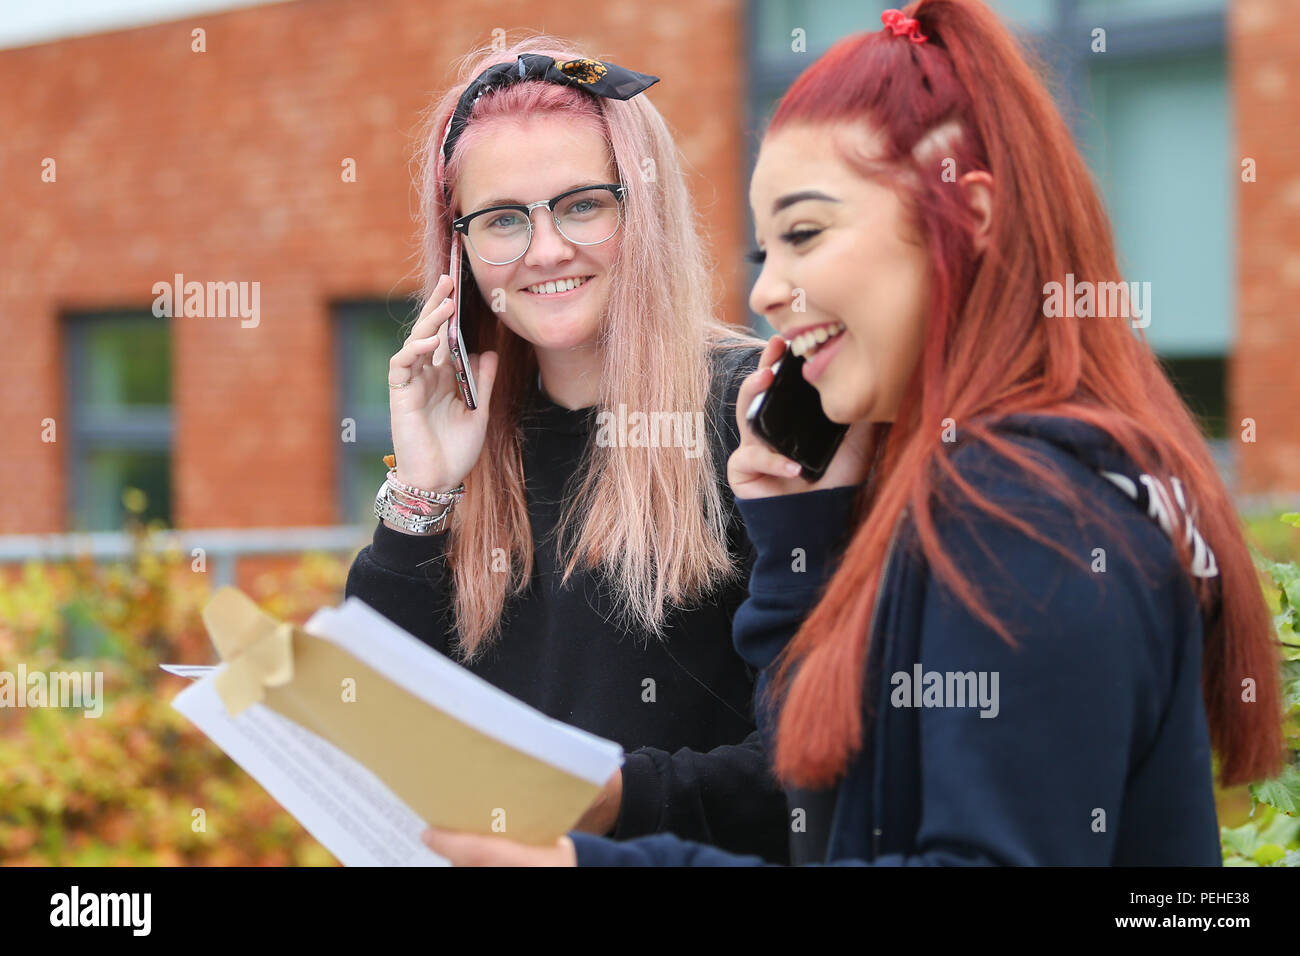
(130, 157)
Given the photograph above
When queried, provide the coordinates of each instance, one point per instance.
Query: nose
(770, 297)
(548, 246)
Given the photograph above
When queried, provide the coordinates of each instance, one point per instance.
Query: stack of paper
(366, 735)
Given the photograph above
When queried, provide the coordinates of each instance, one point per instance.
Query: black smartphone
(461, 341)
(788, 417)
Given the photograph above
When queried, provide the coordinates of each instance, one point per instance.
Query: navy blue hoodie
(1087, 744)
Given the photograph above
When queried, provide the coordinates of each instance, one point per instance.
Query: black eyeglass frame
(461, 225)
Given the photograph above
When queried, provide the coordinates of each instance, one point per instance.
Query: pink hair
(652, 519)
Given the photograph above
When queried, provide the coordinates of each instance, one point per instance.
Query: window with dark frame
(119, 456)
(368, 333)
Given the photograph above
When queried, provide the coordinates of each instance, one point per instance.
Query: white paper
(338, 800)
(190, 671)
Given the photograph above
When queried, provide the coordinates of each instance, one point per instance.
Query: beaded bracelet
(441, 497)
(414, 509)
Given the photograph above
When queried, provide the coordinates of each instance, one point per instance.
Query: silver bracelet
(415, 524)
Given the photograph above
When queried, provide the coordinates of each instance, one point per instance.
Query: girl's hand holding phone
(756, 471)
(436, 438)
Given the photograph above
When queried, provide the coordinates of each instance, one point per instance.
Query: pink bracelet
(409, 506)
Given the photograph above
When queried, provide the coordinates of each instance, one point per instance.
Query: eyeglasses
(586, 216)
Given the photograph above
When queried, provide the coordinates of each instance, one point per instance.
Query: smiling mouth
(806, 344)
(561, 285)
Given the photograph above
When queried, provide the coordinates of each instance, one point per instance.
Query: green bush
(124, 788)
(1271, 837)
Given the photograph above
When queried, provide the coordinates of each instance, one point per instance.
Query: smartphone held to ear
(788, 417)
(460, 338)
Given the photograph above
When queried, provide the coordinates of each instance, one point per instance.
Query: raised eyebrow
(789, 199)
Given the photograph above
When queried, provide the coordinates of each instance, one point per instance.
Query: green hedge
(124, 789)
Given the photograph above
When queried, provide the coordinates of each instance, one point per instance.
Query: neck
(571, 377)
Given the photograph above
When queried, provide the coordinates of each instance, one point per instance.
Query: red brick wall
(1264, 70)
(225, 165)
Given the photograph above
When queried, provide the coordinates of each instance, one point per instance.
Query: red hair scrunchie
(903, 26)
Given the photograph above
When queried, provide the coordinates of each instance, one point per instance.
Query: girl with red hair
(1015, 630)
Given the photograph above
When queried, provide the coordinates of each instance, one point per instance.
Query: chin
(573, 336)
(555, 331)
(838, 417)
(843, 406)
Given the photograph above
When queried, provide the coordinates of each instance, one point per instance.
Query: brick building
(1264, 64)
(131, 157)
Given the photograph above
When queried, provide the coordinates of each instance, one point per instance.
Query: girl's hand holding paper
(471, 849)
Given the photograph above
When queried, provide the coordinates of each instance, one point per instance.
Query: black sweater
(695, 762)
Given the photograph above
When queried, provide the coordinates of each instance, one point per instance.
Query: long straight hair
(651, 519)
(989, 351)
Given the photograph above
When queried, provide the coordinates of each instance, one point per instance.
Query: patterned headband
(595, 76)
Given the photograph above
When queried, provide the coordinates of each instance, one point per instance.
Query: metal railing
(221, 547)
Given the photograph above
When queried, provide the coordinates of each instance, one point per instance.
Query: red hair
(990, 352)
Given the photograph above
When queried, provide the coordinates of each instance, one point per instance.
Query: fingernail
(793, 468)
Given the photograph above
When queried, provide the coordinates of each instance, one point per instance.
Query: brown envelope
(453, 776)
